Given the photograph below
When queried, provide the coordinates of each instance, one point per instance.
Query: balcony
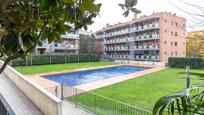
(117, 56)
(146, 37)
(148, 57)
(70, 36)
(117, 40)
(122, 48)
(145, 47)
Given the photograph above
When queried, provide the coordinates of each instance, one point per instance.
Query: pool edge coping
(99, 83)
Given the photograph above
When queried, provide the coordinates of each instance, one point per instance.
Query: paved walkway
(20, 104)
(70, 109)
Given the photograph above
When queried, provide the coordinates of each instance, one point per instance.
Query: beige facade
(147, 38)
(69, 43)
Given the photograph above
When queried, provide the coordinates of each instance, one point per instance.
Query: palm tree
(129, 6)
(188, 102)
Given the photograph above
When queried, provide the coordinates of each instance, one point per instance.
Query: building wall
(170, 32)
(172, 40)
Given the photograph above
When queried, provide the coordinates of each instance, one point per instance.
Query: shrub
(181, 62)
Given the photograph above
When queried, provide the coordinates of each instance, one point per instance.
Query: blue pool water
(77, 78)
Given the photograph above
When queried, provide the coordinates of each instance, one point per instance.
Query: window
(172, 53)
(165, 31)
(175, 53)
(176, 24)
(165, 53)
(165, 21)
(172, 33)
(175, 43)
(171, 43)
(176, 34)
(172, 23)
(165, 42)
(184, 25)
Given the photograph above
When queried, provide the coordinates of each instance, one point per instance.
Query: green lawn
(59, 67)
(144, 91)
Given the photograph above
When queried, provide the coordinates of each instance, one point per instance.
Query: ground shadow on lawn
(200, 76)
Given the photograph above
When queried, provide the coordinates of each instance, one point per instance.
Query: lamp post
(188, 81)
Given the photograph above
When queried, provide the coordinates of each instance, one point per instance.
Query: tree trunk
(4, 66)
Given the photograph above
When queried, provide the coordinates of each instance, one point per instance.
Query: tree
(87, 44)
(194, 44)
(26, 23)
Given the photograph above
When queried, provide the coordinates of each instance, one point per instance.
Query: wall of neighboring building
(172, 36)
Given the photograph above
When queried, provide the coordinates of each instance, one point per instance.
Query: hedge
(55, 59)
(181, 62)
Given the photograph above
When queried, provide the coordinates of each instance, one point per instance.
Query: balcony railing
(147, 57)
(142, 57)
(134, 29)
(117, 56)
(150, 47)
(124, 48)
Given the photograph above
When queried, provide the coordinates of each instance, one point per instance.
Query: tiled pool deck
(95, 84)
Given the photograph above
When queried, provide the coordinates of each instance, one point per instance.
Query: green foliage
(189, 102)
(25, 24)
(55, 59)
(87, 44)
(129, 6)
(181, 62)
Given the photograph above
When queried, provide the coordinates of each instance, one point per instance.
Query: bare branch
(200, 15)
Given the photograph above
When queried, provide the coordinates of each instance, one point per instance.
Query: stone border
(100, 83)
(43, 100)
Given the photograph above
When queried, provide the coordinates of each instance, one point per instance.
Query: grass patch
(59, 67)
(143, 91)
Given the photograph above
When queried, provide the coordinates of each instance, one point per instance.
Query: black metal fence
(5, 109)
(98, 104)
(46, 59)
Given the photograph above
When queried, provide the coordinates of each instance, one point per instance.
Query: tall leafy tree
(24, 24)
(87, 44)
(195, 44)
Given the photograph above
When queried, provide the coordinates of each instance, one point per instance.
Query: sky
(111, 13)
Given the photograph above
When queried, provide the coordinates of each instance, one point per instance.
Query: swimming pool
(86, 76)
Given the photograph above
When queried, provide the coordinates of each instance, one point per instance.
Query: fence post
(69, 58)
(95, 104)
(26, 61)
(188, 80)
(50, 59)
(31, 60)
(76, 97)
(78, 58)
(65, 56)
(62, 91)
(89, 58)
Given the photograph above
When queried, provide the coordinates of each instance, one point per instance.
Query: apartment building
(69, 43)
(148, 38)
